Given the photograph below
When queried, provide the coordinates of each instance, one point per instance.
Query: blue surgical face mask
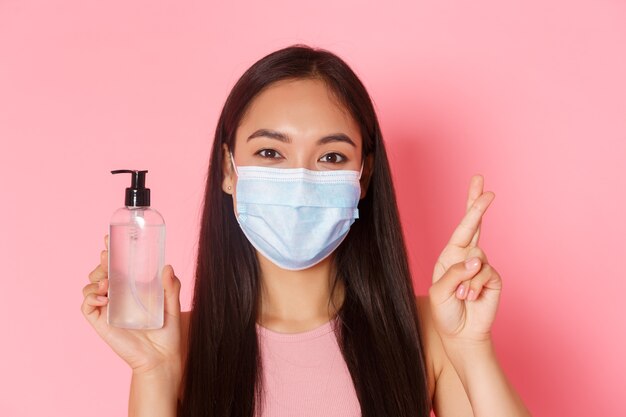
(296, 217)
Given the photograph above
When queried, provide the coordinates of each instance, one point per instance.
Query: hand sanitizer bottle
(136, 260)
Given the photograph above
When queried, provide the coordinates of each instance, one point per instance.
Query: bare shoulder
(433, 348)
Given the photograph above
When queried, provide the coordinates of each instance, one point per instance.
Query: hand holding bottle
(143, 349)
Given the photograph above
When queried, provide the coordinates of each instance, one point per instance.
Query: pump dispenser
(136, 259)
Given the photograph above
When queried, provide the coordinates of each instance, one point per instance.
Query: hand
(143, 350)
(464, 301)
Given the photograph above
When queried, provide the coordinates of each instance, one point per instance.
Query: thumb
(456, 274)
(171, 286)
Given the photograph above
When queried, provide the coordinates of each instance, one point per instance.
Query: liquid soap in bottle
(136, 259)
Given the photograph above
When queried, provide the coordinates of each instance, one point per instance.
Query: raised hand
(464, 299)
(143, 350)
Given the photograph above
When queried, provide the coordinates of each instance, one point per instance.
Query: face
(297, 124)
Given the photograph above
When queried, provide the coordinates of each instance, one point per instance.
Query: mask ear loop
(232, 160)
(361, 171)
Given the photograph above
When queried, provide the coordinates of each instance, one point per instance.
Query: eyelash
(343, 157)
(260, 153)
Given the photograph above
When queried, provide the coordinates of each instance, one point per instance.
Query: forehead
(302, 106)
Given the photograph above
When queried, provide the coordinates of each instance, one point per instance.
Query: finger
(447, 285)
(97, 274)
(106, 242)
(104, 260)
(463, 234)
(487, 277)
(99, 288)
(463, 289)
(90, 288)
(476, 236)
(92, 307)
(171, 286)
(475, 190)
(477, 252)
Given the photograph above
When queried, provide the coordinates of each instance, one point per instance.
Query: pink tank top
(305, 374)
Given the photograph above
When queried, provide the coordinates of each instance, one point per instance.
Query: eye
(333, 158)
(269, 154)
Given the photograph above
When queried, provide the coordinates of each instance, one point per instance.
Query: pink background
(530, 94)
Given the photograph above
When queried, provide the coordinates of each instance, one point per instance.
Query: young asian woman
(300, 228)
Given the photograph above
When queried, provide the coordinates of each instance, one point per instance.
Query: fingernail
(471, 296)
(461, 290)
(472, 263)
(101, 298)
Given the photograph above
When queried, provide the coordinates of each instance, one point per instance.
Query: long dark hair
(378, 330)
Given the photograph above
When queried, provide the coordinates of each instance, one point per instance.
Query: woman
(301, 257)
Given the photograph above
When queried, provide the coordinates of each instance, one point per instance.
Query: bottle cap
(137, 195)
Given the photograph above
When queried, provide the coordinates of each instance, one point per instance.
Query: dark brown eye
(268, 153)
(333, 158)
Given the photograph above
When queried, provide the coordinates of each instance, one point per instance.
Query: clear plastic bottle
(136, 260)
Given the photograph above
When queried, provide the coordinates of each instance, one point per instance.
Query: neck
(294, 301)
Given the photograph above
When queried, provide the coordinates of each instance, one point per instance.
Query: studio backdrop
(530, 94)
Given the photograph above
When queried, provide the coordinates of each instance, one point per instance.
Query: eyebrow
(273, 134)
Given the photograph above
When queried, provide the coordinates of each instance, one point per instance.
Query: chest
(306, 376)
